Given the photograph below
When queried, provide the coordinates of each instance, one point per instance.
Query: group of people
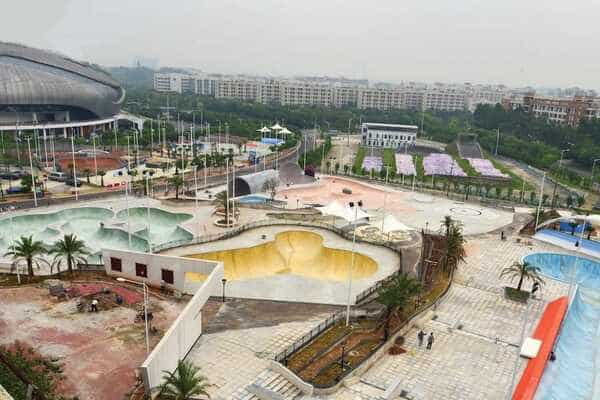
(421, 336)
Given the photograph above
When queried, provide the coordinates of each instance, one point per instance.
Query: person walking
(420, 337)
(430, 341)
(94, 307)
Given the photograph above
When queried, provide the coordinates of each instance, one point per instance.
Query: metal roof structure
(253, 183)
(36, 78)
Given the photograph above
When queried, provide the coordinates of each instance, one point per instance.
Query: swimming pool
(574, 374)
(252, 199)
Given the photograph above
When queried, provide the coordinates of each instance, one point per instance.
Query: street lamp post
(145, 291)
(593, 166)
(355, 207)
(223, 281)
(32, 176)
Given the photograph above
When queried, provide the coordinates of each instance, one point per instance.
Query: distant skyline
(537, 43)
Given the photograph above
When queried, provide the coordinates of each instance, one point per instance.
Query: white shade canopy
(277, 127)
(264, 129)
(391, 224)
(345, 212)
(286, 131)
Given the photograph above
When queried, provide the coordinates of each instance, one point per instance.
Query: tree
(337, 167)
(328, 165)
(102, 173)
(270, 186)
(87, 173)
(447, 223)
(454, 251)
(524, 271)
(69, 249)
(29, 250)
(396, 294)
(185, 383)
(346, 168)
(176, 181)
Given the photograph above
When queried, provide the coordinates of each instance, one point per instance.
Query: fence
(309, 336)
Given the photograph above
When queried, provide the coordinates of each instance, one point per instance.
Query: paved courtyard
(478, 360)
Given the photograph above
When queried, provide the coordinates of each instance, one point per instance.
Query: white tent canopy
(345, 212)
(285, 131)
(264, 129)
(391, 224)
(277, 127)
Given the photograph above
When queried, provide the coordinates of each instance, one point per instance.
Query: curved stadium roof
(33, 77)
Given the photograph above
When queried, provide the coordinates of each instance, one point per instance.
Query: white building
(388, 135)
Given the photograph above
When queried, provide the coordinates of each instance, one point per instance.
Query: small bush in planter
(516, 295)
(399, 341)
(347, 191)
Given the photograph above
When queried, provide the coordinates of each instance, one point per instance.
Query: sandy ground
(99, 351)
(414, 209)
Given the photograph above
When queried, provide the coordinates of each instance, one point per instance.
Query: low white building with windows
(388, 135)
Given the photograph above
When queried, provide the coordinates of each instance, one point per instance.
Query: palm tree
(29, 250)
(396, 294)
(69, 249)
(221, 199)
(87, 173)
(454, 250)
(102, 173)
(176, 181)
(524, 271)
(185, 383)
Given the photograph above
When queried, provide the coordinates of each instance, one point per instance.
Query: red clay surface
(105, 162)
(546, 331)
(99, 352)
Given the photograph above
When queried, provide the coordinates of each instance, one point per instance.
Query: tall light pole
(74, 167)
(497, 141)
(593, 166)
(32, 176)
(145, 291)
(537, 214)
(355, 207)
(562, 153)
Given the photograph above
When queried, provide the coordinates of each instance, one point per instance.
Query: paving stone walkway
(478, 360)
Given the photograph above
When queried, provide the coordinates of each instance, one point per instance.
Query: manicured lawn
(389, 159)
(360, 156)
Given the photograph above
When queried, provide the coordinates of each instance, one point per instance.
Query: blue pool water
(574, 374)
(252, 199)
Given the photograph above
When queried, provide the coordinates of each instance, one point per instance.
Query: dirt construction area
(99, 351)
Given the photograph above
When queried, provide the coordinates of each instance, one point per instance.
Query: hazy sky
(516, 42)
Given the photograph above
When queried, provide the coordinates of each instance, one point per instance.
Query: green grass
(389, 159)
(358, 160)
(516, 182)
(418, 161)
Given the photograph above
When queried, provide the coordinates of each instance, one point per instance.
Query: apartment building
(560, 110)
(331, 92)
(388, 135)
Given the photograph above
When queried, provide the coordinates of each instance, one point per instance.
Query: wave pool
(574, 374)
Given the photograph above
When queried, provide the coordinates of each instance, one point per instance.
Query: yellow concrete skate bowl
(292, 252)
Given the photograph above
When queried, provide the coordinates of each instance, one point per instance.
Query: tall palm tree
(447, 223)
(29, 250)
(396, 294)
(102, 173)
(185, 383)
(524, 271)
(69, 249)
(453, 252)
(221, 198)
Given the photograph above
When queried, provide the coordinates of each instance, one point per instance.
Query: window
(115, 264)
(141, 270)
(167, 276)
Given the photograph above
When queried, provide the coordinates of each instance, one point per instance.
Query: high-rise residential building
(332, 92)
